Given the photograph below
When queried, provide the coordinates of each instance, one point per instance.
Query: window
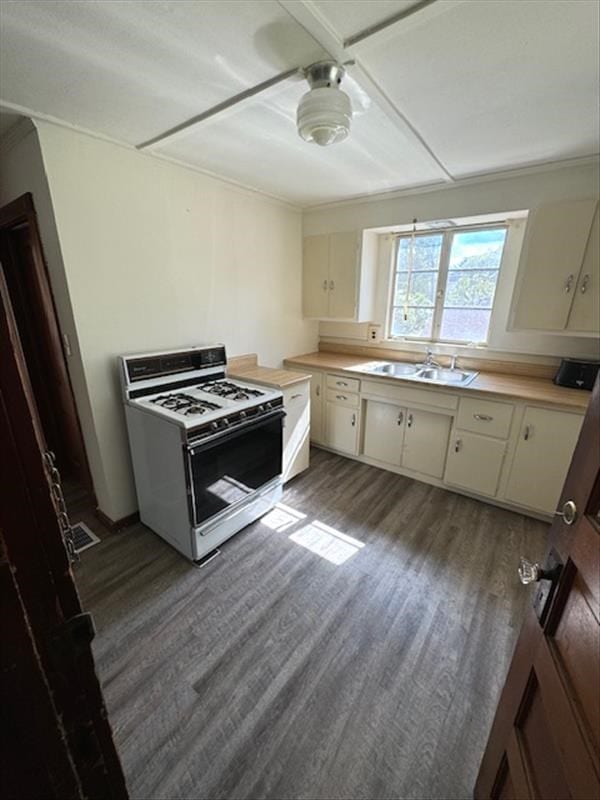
(444, 284)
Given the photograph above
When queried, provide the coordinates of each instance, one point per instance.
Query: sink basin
(396, 369)
(446, 375)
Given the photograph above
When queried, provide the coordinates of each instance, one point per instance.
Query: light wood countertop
(538, 390)
(245, 368)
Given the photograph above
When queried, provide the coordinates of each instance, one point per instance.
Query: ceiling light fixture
(324, 113)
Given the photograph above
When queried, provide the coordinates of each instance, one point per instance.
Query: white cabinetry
(296, 445)
(342, 413)
(426, 442)
(559, 250)
(339, 276)
(317, 426)
(475, 463)
(384, 432)
(546, 442)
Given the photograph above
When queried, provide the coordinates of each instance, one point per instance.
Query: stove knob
(243, 415)
(261, 409)
(214, 425)
(269, 406)
(225, 422)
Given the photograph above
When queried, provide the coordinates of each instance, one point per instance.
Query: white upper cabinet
(339, 276)
(585, 309)
(551, 293)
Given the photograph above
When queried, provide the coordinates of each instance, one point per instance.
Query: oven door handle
(226, 435)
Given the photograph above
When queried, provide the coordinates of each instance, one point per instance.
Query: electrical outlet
(373, 333)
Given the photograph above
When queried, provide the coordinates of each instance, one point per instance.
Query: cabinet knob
(584, 284)
(569, 283)
(331, 285)
(341, 397)
(483, 417)
(318, 391)
(526, 432)
(295, 396)
(457, 445)
(400, 417)
(353, 420)
(409, 420)
(341, 383)
(568, 513)
(325, 286)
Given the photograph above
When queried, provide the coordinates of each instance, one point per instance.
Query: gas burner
(184, 403)
(230, 390)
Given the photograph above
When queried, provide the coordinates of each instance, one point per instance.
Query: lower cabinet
(317, 432)
(296, 445)
(475, 463)
(384, 432)
(416, 440)
(546, 443)
(426, 442)
(341, 424)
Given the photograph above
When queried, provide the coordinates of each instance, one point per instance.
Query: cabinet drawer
(342, 397)
(484, 416)
(341, 382)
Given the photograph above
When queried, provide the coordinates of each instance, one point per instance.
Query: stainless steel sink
(420, 373)
(446, 375)
(396, 369)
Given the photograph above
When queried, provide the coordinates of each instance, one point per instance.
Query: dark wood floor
(275, 673)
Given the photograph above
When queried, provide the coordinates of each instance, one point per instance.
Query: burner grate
(229, 390)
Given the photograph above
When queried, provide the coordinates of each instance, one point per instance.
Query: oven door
(226, 470)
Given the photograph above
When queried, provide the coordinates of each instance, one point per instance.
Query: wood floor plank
(275, 673)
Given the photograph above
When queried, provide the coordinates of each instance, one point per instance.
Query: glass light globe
(324, 116)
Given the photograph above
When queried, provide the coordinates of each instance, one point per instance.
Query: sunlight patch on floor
(327, 542)
(282, 517)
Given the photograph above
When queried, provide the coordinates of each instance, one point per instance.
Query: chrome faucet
(453, 358)
(429, 362)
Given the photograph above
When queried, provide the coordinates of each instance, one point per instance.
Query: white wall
(523, 191)
(157, 255)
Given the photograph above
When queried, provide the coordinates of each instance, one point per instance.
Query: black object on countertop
(577, 374)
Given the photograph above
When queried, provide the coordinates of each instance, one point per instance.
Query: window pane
(419, 322)
(422, 288)
(477, 249)
(474, 288)
(426, 252)
(469, 325)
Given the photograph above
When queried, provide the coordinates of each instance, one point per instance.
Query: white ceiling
(455, 89)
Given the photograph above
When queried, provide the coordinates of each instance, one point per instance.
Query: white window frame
(442, 282)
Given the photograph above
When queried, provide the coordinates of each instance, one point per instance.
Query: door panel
(384, 432)
(316, 408)
(342, 275)
(585, 311)
(426, 442)
(342, 428)
(315, 276)
(475, 462)
(546, 440)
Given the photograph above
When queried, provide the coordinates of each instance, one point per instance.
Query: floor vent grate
(83, 537)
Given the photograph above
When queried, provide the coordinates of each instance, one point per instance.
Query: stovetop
(207, 401)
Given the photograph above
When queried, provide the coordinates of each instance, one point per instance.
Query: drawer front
(343, 397)
(484, 416)
(405, 394)
(342, 382)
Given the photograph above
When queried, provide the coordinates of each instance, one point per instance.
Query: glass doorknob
(529, 571)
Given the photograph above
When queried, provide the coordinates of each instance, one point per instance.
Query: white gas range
(206, 450)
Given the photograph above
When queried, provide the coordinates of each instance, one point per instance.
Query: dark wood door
(22, 263)
(545, 739)
(56, 739)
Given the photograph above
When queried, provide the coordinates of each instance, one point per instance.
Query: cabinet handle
(584, 284)
(400, 418)
(569, 283)
(295, 396)
(457, 445)
(341, 383)
(409, 420)
(331, 285)
(325, 286)
(527, 432)
(341, 397)
(483, 417)
(353, 420)
(318, 391)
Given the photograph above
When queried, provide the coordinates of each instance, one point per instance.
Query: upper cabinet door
(343, 274)
(585, 310)
(553, 252)
(315, 281)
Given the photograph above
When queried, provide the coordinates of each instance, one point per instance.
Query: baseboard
(118, 524)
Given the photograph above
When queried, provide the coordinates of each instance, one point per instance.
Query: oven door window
(227, 471)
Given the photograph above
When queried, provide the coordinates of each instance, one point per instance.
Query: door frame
(14, 214)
